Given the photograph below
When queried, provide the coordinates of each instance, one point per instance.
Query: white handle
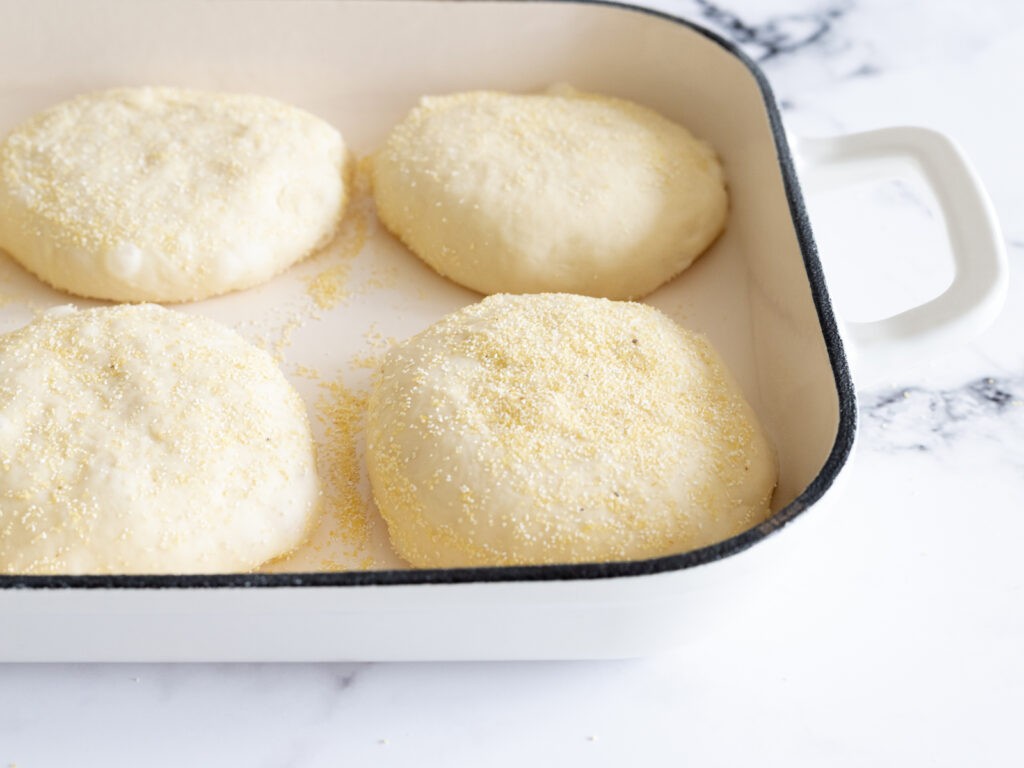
(978, 290)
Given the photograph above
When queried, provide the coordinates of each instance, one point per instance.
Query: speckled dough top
(555, 428)
(135, 439)
(165, 194)
(549, 192)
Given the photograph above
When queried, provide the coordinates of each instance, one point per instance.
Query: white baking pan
(759, 294)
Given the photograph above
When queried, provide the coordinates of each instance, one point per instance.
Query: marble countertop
(914, 658)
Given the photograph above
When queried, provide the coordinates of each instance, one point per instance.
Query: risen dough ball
(553, 429)
(163, 194)
(535, 193)
(134, 439)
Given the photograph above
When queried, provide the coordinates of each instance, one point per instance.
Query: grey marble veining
(774, 35)
(918, 418)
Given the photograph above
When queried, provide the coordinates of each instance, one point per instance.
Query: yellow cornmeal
(368, 362)
(343, 527)
(278, 339)
(382, 278)
(305, 372)
(377, 340)
(558, 428)
(327, 288)
(343, 413)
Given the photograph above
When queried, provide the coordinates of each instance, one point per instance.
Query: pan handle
(978, 290)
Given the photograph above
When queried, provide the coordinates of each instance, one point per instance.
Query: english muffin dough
(135, 439)
(553, 429)
(166, 194)
(549, 192)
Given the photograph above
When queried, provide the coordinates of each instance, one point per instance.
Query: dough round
(532, 193)
(165, 194)
(553, 428)
(134, 439)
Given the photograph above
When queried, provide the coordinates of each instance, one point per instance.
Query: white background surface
(897, 640)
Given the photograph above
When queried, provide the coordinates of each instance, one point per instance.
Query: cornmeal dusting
(327, 287)
(367, 361)
(341, 538)
(342, 413)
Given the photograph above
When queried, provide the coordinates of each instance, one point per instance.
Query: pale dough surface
(554, 428)
(549, 192)
(167, 194)
(135, 439)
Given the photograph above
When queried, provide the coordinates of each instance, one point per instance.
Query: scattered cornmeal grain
(381, 279)
(553, 428)
(342, 536)
(327, 288)
(377, 340)
(369, 362)
(279, 339)
(342, 412)
(305, 372)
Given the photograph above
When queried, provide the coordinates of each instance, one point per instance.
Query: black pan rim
(837, 458)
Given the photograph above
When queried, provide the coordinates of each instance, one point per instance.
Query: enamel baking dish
(759, 294)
